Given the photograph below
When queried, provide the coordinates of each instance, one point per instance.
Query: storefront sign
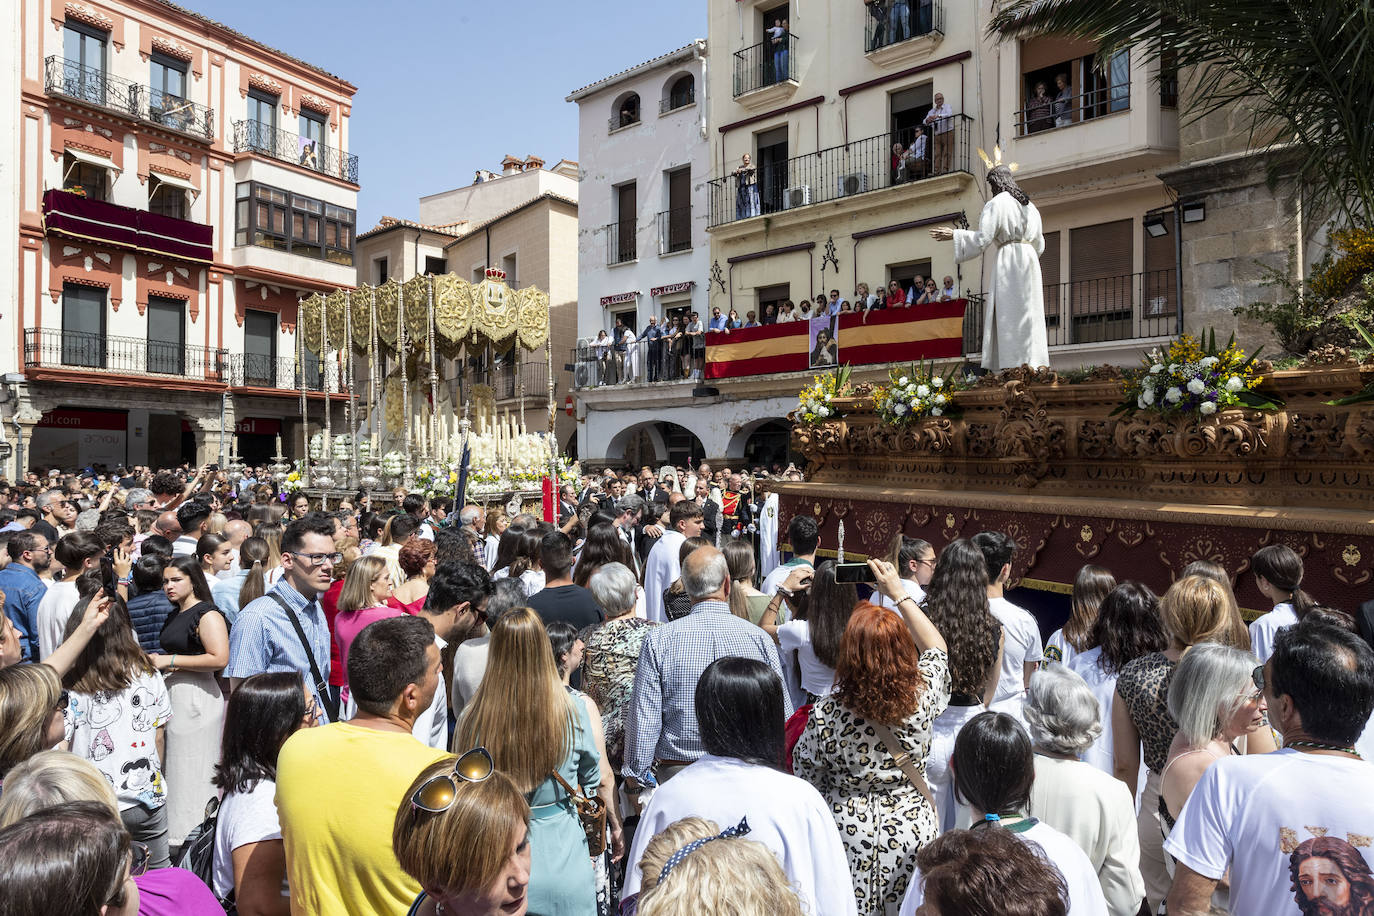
(257, 426)
(75, 438)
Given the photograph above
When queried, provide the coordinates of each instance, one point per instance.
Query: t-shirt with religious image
(1296, 831)
(117, 732)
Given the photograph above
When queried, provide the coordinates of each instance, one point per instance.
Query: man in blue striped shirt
(263, 637)
(661, 729)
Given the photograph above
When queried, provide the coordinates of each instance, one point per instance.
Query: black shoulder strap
(321, 685)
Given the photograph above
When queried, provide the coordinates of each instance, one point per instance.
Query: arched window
(626, 111)
(682, 93)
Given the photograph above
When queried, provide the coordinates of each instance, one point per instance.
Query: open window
(681, 93)
(170, 195)
(88, 174)
(626, 111)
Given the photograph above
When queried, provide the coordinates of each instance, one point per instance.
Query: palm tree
(1302, 71)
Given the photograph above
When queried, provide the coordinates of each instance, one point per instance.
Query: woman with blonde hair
(362, 600)
(271, 532)
(1090, 586)
(463, 832)
(1195, 609)
(695, 867)
(541, 737)
(52, 778)
(497, 523)
(30, 712)
(746, 601)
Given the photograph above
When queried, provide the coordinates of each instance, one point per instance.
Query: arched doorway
(766, 443)
(654, 444)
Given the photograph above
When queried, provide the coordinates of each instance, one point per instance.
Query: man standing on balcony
(878, 10)
(942, 117)
(777, 44)
(653, 334)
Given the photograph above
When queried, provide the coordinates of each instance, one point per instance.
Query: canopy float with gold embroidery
(410, 337)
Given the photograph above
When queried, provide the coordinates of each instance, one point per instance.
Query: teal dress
(562, 882)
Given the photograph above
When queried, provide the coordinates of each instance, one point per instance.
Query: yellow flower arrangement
(815, 402)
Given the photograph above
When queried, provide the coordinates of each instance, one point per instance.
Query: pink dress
(349, 624)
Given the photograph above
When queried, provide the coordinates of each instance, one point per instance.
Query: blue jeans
(898, 21)
(780, 65)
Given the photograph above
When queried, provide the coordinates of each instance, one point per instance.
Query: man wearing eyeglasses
(285, 629)
(30, 554)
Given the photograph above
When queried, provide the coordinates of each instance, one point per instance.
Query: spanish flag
(899, 335)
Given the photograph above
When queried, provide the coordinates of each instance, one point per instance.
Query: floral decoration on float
(1193, 377)
(816, 402)
(917, 392)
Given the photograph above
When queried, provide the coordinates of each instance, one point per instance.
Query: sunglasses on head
(438, 793)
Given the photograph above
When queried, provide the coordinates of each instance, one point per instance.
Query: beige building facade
(523, 221)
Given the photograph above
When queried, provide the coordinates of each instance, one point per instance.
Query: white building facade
(643, 253)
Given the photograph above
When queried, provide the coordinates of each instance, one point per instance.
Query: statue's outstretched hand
(942, 233)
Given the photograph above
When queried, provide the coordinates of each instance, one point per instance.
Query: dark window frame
(309, 227)
(265, 98)
(167, 357)
(82, 347)
(89, 31)
(432, 262)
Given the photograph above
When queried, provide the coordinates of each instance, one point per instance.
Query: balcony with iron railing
(98, 89)
(85, 219)
(56, 348)
(768, 63)
(510, 380)
(258, 370)
(677, 100)
(1050, 111)
(675, 230)
(264, 139)
(860, 167)
(621, 121)
(1125, 307)
(896, 21)
(621, 247)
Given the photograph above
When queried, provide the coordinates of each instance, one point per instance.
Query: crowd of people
(675, 348)
(215, 701)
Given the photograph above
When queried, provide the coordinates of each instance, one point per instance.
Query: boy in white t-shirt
(1021, 647)
(1293, 827)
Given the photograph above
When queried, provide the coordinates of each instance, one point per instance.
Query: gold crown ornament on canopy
(996, 160)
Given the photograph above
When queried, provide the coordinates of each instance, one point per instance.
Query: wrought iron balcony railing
(771, 61)
(180, 114)
(1123, 307)
(616, 122)
(862, 166)
(1049, 112)
(506, 380)
(620, 242)
(55, 348)
(99, 89)
(255, 370)
(674, 102)
(599, 363)
(675, 230)
(899, 20)
(257, 137)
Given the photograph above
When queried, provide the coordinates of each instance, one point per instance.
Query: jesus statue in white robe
(1014, 303)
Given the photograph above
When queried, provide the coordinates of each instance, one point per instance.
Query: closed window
(273, 218)
(83, 325)
(166, 336)
(167, 90)
(262, 122)
(168, 201)
(259, 348)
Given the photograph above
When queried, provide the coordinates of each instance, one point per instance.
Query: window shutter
(1049, 273)
(1161, 261)
(1100, 261)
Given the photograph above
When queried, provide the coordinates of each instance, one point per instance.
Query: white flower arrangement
(393, 464)
(915, 393)
(1196, 377)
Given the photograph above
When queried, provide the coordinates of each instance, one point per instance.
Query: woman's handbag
(592, 812)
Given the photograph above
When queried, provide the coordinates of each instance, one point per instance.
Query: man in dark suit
(649, 487)
(710, 512)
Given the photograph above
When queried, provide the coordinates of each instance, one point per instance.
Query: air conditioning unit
(799, 196)
(856, 183)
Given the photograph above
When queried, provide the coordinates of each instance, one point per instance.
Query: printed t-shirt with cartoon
(1263, 815)
(117, 732)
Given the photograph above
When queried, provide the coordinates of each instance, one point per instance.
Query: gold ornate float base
(1141, 495)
